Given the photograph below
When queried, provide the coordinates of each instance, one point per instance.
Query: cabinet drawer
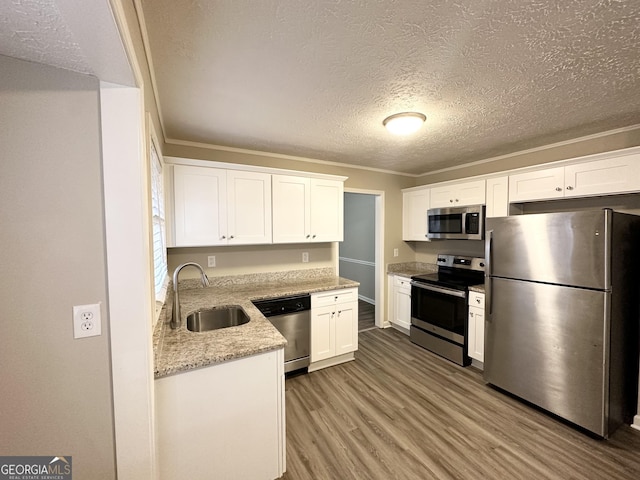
(334, 297)
(401, 282)
(476, 299)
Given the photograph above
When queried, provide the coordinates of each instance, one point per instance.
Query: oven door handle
(446, 291)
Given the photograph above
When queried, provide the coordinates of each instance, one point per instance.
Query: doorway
(360, 254)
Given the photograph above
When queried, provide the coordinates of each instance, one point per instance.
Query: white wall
(56, 391)
(239, 260)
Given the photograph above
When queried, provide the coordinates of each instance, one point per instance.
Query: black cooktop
(458, 281)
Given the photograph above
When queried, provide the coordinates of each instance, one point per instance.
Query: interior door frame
(379, 251)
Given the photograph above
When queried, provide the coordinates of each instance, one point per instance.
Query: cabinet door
(322, 333)
(402, 302)
(252, 448)
(476, 333)
(327, 210)
(459, 194)
(415, 204)
(346, 328)
(537, 185)
(200, 206)
(249, 207)
(615, 175)
(291, 209)
(442, 197)
(498, 197)
(471, 193)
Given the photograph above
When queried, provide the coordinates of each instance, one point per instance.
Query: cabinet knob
(457, 200)
(477, 300)
(569, 187)
(558, 189)
(313, 236)
(471, 314)
(339, 312)
(451, 200)
(231, 236)
(222, 237)
(335, 298)
(308, 236)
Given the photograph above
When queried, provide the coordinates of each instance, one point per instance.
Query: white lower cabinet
(401, 309)
(334, 327)
(225, 421)
(476, 326)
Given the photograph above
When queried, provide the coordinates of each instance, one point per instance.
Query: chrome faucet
(175, 314)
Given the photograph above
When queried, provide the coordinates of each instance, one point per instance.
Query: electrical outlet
(211, 261)
(395, 252)
(86, 320)
(305, 257)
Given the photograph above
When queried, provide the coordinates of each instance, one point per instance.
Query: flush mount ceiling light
(404, 123)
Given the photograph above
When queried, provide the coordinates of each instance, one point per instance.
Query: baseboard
(636, 422)
(330, 362)
(477, 363)
(400, 329)
(368, 300)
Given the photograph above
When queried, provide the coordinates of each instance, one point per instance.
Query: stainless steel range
(439, 307)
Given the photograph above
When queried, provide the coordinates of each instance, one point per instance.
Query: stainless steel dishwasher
(292, 317)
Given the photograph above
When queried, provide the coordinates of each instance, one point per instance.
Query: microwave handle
(488, 246)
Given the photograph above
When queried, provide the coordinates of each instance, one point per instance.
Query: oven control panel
(459, 261)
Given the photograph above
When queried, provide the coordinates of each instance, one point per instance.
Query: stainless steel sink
(215, 318)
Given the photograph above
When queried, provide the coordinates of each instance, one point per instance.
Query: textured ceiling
(35, 30)
(78, 35)
(316, 78)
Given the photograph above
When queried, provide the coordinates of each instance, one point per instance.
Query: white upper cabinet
(220, 207)
(327, 210)
(211, 204)
(497, 197)
(600, 177)
(200, 206)
(536, 185)
(415, 204)
(248, 207)
(307, 209)
(614, 175)
(291, 208)
(458, 194)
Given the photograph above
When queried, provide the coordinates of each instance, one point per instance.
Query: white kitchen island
(224, 421)
(220, 401)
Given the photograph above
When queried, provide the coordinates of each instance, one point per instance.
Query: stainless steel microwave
(456, 223)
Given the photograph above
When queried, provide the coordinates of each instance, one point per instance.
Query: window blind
(158, 220)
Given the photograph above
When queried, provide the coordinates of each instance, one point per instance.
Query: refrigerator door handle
(488, 274)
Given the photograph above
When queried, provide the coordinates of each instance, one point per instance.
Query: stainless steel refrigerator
(562, 311)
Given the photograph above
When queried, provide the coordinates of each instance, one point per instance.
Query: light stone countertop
(180, 350)
(409, 269)
(477, 288)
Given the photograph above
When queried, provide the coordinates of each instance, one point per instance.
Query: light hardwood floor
(401, 412)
